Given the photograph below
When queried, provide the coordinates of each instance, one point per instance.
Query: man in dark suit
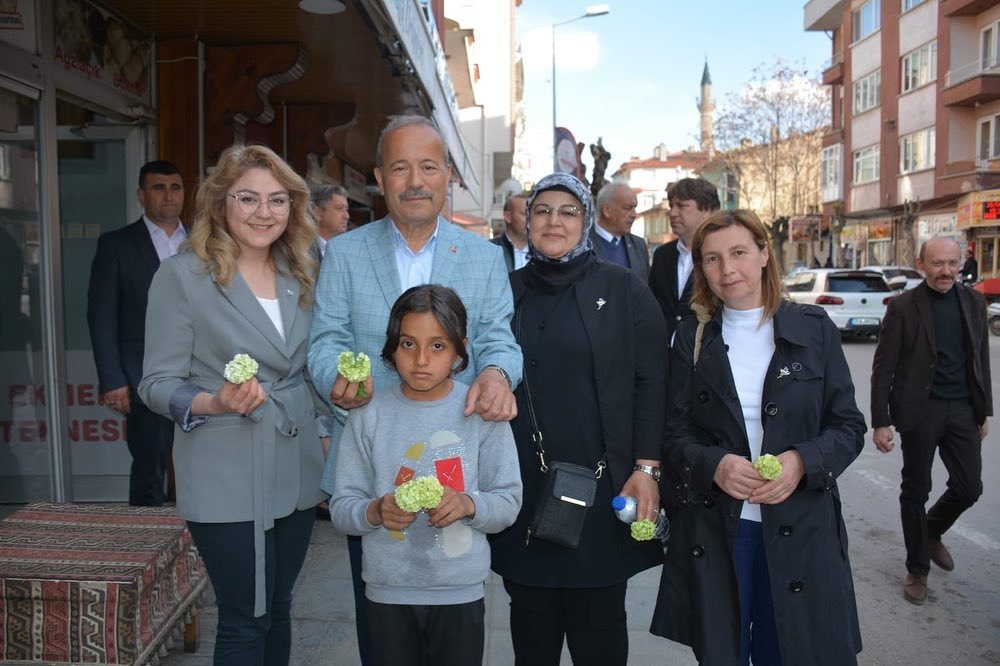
(931, 380)
(514, 240)
(611, 236)
(123, 268)
(691, 201)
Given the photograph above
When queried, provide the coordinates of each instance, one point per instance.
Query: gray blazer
(231, 468)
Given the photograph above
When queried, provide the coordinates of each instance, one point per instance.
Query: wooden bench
(96, 584)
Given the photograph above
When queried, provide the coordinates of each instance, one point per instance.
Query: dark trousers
(150, 439)
(948, 426)
(591, 619)
(448, 635)
(759, 633)
(361, 628)
(228, 553)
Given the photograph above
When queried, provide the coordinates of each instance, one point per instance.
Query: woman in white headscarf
(595, 358)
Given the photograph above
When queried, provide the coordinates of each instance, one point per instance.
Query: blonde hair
(771, 288)
(210, 239)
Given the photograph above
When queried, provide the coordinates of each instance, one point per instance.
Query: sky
(632, 76)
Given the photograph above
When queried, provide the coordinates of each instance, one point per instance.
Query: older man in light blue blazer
(364, 271)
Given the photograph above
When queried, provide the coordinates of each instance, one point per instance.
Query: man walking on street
(931, 380)
(123, 267)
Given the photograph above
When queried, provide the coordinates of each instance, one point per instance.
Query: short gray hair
(320, 194)
(399, 122)
(606, 193)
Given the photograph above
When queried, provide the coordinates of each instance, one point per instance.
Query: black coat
(123, 269)
(808, 404)
(903, 368)
(508, 250)
(663, 284)
(624, 332)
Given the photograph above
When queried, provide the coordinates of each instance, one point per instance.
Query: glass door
(25, 444)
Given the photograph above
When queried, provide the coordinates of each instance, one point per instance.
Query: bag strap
(701, 312)
(536, 432)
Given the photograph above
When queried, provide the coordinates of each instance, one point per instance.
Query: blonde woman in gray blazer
(247, 457)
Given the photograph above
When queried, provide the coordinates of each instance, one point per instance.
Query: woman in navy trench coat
(810, 420)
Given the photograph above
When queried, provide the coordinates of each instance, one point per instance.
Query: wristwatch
(648, 469)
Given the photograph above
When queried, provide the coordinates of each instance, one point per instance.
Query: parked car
(854, 299)
(993, 317)
(912, 276)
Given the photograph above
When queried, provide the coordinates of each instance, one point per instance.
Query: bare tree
(770, 135)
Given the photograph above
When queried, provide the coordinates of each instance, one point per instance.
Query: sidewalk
(323, 616)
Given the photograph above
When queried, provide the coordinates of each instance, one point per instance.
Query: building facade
(915, 102)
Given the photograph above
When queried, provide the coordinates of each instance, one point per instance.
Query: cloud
(577, 51)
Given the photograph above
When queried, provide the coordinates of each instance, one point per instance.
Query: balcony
(972, 84)
(824, 14)
(966, 7)
(833, 72)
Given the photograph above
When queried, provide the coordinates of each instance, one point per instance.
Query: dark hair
(320, 194)
(702, 192)
(159, 167)
(441, 302)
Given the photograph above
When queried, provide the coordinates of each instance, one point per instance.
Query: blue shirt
(414, 267)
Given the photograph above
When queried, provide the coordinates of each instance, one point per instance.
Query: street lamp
(592, 10)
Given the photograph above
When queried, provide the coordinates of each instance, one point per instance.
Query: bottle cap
(618, 503)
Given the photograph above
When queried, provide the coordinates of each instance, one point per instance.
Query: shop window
(988, 247)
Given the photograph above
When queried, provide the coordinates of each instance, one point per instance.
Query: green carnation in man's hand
(423, 492)
(768, 467)
(355, 369)
(241, 369)
(643, 530)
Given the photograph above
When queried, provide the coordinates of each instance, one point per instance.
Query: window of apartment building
(989, 138)
(866, 19)
(866, 164)
(867, 92)
(989, 46)
(830, 167)
(916, 151)
(920, 66)
(910, 4)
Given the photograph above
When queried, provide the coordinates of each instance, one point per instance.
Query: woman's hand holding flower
(238, 398)
(777, 491)
(737, 477)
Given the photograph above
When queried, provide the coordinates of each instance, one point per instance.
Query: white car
(912, 276)
(854, 299)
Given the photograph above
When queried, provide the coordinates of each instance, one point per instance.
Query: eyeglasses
(565, 213)
(250, 203)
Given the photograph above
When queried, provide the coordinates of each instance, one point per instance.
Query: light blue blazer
(359, 282)
(231, 468)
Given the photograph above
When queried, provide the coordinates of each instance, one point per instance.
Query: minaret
(706, 106)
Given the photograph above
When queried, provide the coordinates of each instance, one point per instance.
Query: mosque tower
(706, 106)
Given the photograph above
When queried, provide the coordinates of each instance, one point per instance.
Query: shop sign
(979, 209)
(803, 229)
(98, 46)
(880, 231)
(17, 24)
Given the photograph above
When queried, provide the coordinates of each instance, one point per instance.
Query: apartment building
(914, 145)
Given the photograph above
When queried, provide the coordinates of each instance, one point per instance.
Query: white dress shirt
(166, 246)
(685, 264)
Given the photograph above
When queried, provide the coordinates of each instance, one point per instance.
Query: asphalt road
(959, 625)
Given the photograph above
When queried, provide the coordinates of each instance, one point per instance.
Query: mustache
(416, 193)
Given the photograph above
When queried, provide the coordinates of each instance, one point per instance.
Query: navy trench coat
(807, 404)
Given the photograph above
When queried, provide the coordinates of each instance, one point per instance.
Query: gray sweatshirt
(392, 439)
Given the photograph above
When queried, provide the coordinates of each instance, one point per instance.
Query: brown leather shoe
(915, 588)
(940, 555)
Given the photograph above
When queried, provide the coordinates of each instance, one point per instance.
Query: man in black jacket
(691, 201)
(931, 380)
(123, 268)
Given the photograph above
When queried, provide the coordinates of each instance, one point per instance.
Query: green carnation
(355, 369)
(643, 530)
(423, 492)
(241, 369)
(768, 467)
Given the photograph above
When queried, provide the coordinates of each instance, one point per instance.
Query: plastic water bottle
(625, 507)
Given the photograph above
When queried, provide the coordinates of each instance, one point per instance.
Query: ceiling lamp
(322, 6)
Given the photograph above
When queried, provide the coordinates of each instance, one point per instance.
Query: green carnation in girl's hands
(768, 467)
(241, 369)
(355, 369)
(643, 530)
(423, 492)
